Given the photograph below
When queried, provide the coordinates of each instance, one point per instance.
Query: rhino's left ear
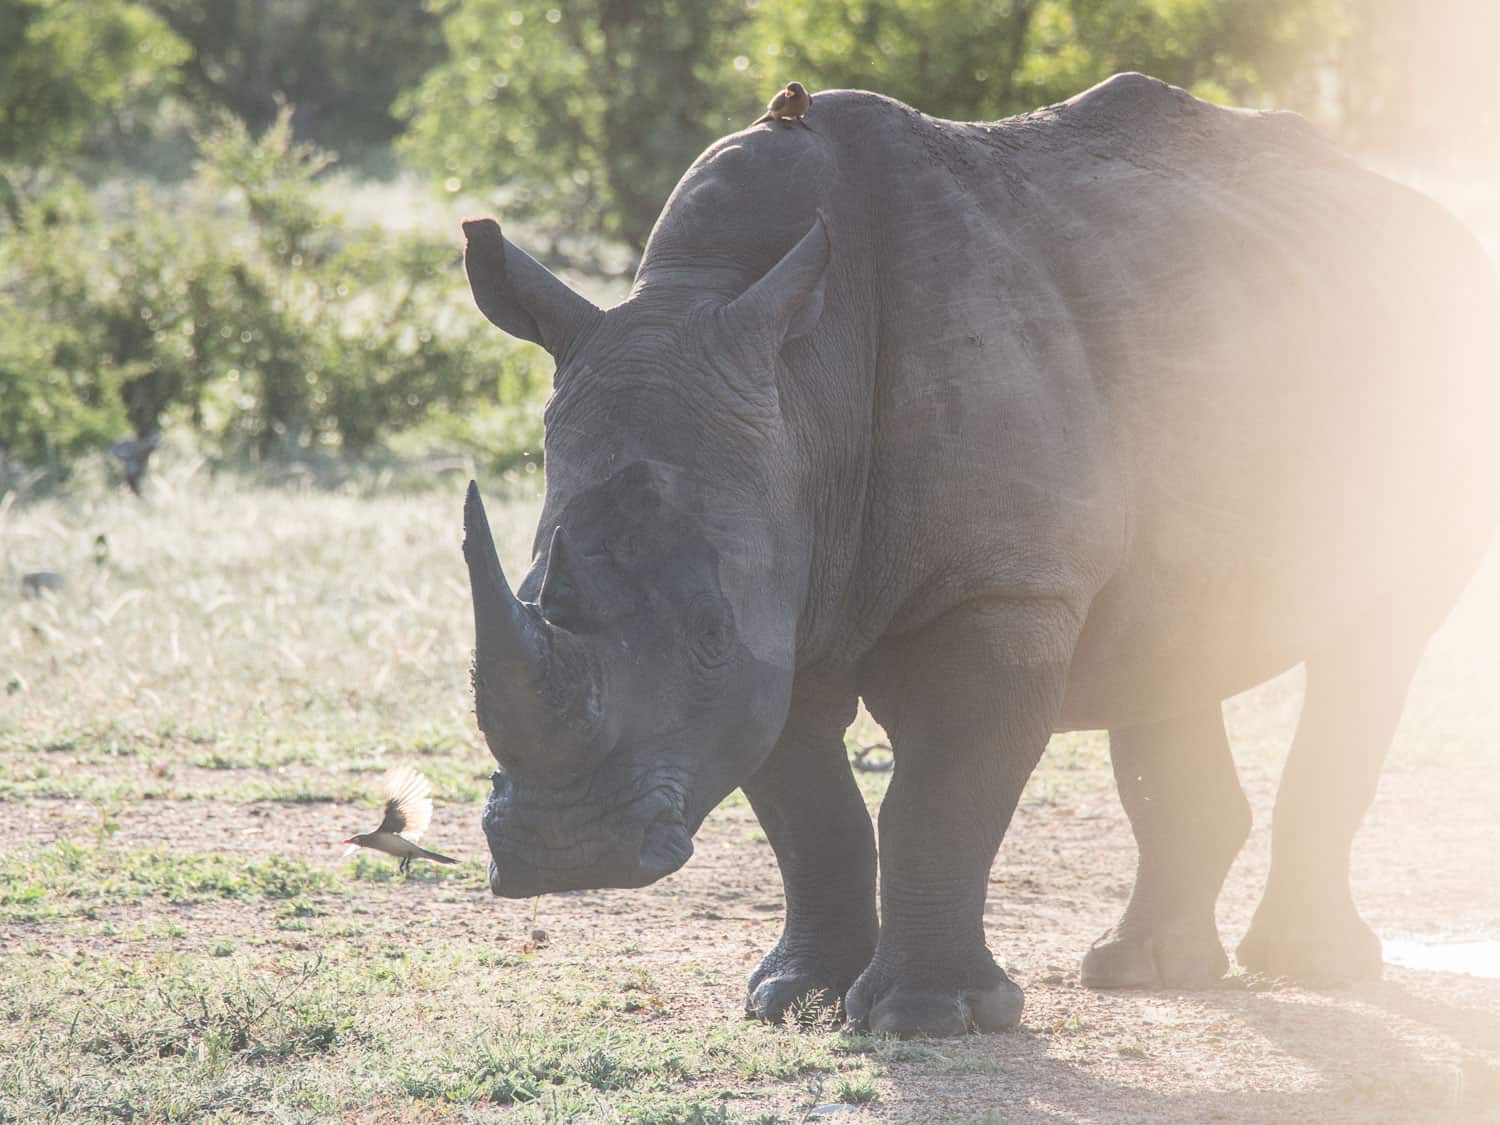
(520, 295)
(788, 300)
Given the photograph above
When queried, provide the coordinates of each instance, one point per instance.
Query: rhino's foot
(799, 986)
(882, 1004)
(1174, 955)
(1317, 947)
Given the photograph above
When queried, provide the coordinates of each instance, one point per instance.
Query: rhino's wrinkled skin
(1089, 418)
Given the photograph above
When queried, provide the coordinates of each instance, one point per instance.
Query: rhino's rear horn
(568, 597)
(536, 688)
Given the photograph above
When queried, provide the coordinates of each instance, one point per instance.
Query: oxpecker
(408, 812)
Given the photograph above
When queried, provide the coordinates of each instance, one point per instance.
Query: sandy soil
(1418, 1046)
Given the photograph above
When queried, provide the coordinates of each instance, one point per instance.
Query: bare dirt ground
(1417, 1046)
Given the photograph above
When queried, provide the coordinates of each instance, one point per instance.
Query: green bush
(242, 306)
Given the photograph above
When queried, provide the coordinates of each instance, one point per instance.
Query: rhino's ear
(788, 300)
(520, 295)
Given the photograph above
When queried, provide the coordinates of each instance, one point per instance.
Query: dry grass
(222, 603)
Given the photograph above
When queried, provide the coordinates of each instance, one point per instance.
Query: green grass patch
(69, 879)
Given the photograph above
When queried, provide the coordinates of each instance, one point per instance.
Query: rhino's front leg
(969, 704)
(815, 819)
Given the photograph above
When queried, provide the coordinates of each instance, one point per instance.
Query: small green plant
(602, 1071)
(641, 992)
(858, 1090)
(818, 1012)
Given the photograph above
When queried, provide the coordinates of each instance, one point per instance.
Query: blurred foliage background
(182, 251)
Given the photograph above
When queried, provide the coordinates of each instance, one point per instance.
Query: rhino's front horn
(536, 688)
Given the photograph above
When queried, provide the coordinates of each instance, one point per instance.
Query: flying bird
(408, 812)
(788, 105)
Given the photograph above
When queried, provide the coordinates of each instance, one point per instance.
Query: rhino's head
(642, 667)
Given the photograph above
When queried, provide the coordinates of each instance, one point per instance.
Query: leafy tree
(584, 114)
(953, 58)
(340, 62)
(69, 70)
(68, 66)
(981, 59)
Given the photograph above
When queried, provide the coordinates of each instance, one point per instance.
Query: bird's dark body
(1089, 418)
(788, 106)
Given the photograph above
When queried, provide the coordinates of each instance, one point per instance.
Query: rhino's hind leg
(1307, 927)
(969, 704)
(815, 819)
(1177, 782)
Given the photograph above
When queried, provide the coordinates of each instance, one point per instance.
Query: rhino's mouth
(547, 839)
(666, 845)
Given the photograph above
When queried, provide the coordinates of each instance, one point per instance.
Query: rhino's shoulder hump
(1139, 104)
(1130, 93)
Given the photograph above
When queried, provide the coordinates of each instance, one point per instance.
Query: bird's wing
(408, 808)
(778, 103)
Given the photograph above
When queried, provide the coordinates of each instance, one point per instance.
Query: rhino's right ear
(788, 301)
(520, 295)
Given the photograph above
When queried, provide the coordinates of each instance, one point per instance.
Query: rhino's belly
(1169, 635)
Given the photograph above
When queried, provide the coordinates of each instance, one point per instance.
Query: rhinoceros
(1086, 419)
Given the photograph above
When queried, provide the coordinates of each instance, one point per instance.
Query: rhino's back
(1304, 355)
(1300, 358)
(1263, 374)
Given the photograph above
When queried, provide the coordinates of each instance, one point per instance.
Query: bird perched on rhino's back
(408, 812)
(788, 105)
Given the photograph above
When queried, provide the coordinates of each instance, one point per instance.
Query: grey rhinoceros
(1090, 418)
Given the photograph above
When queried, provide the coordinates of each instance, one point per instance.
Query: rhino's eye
(710, 630)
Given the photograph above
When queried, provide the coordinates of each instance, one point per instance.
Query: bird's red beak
(349, 841)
